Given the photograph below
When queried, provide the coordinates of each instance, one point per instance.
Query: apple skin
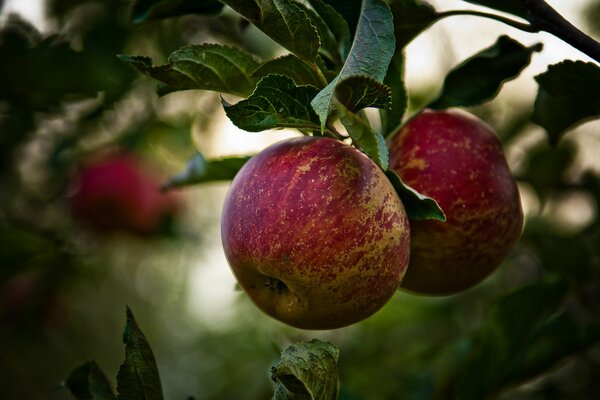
(456, 159)
(315, 233)
(116, 193)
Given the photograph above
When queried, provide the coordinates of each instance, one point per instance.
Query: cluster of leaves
(307, 370)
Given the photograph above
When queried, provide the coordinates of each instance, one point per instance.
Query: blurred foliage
(530, 331)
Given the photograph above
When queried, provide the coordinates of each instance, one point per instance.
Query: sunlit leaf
(200, 170)
(207, 67)
(144, 10)
(284, 21)
(567, 96)
(370, 54)
(307, 371)
(138, 375)
(276, 103)
(88, 382)
(479, 78)
(417, 205)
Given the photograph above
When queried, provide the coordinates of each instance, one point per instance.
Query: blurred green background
(530, 331)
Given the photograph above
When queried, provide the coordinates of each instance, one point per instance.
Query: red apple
(456, 159)
(117, 193)
(315, 233)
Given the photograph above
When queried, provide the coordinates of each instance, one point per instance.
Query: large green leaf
(349, 10)
(307, 371)
(417, 205)
(506, 334)
(370, 55)
(200, 170)
(284, 21)
(515, 7)
(88, 382)
(411, 17)
(276, 103)
(291, 66)
(364, 137)
(567, 96)
(479, 78)
(144, 10)
(208, 67)
(138, 375)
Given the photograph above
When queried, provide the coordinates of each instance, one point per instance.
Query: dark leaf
(199, 170)
(370, 55)
(506, 334)
(144, 10)
(276, 103)
(417, 206)
(337, 25)
(307, 371)
(20, 249)
(411, 17)
(394, 79)
(328, 42)
(567, 96)
(364, 137)
(138, 375)
(515, 7)
(88, 382)
(358, 92)
(206, 67)
(291, 66)
(480, 78)
(284, 21)
(349, 10)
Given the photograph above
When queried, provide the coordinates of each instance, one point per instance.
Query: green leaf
(370, 55)
(479, 78)
(144, 10)
(138, 375)
(417, 206)
(276, 103)
(394, 79)
(515, 7)
(307, 371)
(337, 25)
(349, 10)
(358, 92)
(510, 326)
(284, 21)
(411, 17)
(291, 66)
(567, 96)
(367, 139)
(200, 170)
(88, 382)
(206, 67)
(328, 43)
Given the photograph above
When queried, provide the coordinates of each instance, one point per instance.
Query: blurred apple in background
(117, 193)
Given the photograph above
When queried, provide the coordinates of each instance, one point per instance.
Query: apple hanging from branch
(315, 233)
(456, 159)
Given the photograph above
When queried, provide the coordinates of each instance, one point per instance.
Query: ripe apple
(456, 159)
(315, 233)
(116, 193)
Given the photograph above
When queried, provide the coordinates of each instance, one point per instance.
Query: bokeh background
(65, 98)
